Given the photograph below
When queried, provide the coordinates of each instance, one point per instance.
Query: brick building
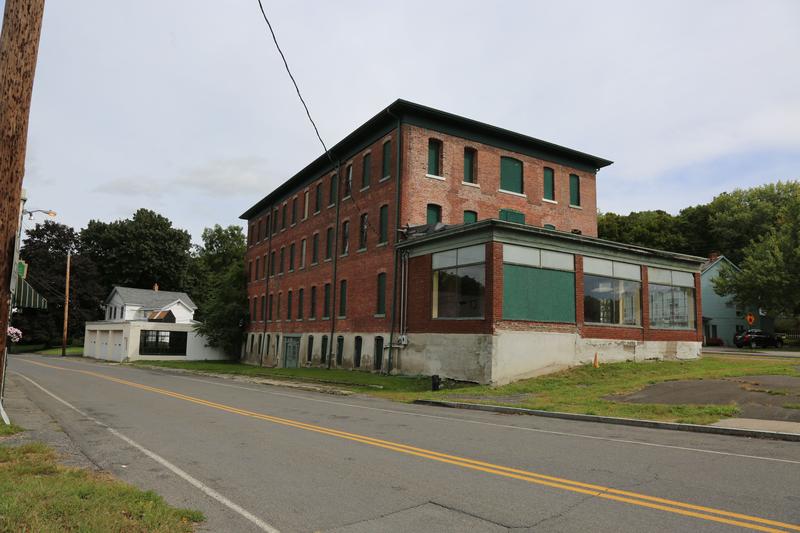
(430, 243)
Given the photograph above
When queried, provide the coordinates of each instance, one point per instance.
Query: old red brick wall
(455, 197)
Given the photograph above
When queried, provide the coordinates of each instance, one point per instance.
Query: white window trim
(512, 193)
(549, 201)
(435, 177)
(576, 206)
(468, 184)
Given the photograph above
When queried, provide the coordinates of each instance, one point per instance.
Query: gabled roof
(150, 299)
(712, 262)
(419, 115)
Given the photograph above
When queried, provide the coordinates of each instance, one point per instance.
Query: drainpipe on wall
(396, 236)
(332, 310)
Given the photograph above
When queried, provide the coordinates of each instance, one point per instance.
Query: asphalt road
(261, 458)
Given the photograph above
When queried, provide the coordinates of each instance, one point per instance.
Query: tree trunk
(19, 46)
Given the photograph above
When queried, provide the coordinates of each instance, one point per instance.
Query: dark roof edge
(560, 235)
(389, 115)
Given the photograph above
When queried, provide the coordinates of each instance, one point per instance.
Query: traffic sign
(751, 318)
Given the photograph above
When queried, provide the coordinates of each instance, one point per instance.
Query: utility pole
(19, 48)
(66, 308)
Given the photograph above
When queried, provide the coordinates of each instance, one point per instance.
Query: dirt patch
(761, 397)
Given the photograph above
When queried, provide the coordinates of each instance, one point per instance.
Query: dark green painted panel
(470, 217)
(469, 165)
(538, 294)
(509, 215)
(511, 174)
(434, 214)
(434, 156)
(549, 184)
(574, 190)
(387, 159)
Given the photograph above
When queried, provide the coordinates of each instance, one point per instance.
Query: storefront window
(459, 283)
(612, 301)
(672, 297)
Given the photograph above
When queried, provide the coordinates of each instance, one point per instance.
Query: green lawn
(40, 495)
(43, 350)
(6, 429)
(583, 389)
(347, 379)
(71, 350)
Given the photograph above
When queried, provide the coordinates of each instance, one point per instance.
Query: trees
(138, 252)
(217, 272)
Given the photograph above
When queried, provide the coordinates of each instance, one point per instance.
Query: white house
(145, 324)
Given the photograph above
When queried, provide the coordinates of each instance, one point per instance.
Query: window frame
(521, 178)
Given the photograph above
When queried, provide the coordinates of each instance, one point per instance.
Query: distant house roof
(711, 262)
(150, 299)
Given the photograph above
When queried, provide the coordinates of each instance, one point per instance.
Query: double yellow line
(599, 491)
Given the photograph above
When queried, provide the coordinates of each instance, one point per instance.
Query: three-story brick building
(354, 263)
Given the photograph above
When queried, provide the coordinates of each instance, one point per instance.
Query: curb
(695, 428)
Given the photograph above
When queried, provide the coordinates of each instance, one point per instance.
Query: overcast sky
(183, 106)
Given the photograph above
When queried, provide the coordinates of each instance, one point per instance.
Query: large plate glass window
(459, 282)
(612, 292)
(672, 299)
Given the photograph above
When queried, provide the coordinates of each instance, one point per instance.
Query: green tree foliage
(45, 249)
(219, 287)
(138, 252)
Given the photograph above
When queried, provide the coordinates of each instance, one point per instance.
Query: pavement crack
(473, 515)
(560, 514)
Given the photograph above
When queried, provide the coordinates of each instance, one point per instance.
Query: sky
(184, 106)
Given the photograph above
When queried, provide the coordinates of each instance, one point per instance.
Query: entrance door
(377, 359)
(291, 352)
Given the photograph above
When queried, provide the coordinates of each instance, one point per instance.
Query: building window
(672, 299)
(278, 308)
(272, 263)
(549, 184)
(254, 312)
(249, 272)
(434, 214)
(275, 221)
(574, 190)
(343, 298)
(326, 301)
(300, 301)
(366, 170)
(470, 217)
(294, 210)
(538, 285)
(309, 348)
(612, 300)
(264, 267)
(312, 308)
(269, 315)
(377, 357)
(329, 244)
(512, 216)
(283, 217)
(339, 350)
(305, 205)
(291, 257)
(384, 224)
(380, 308)
(459, 282)
(386, 163)
(280, 265)
(318, 198)
(333, 190)
(323, 355)
(511, 175)
(345, 237)
(315, 249)
(363, 226)
(434, 157)
(348, 181)
(153, 342)
(470, 155)
(357, 351)
(549, 226)
(263, 315)
(303, 253)
(289, 305)
(266, 344)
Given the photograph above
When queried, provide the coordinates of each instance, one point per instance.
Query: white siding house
(144, 324)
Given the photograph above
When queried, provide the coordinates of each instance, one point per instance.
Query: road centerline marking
(642, 500)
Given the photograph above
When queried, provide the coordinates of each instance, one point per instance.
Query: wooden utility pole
(66, 309)
(19, 47)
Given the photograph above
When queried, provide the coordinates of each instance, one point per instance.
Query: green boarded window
(329, 244)
(318, 199)
(315, 248)
(380, 309)
(549, 226)
(538, 294)
(511, 175)
(384, 224)
(512, 216)
(366, 170)
(549, 184)
(469, 165)
(289, 305)
(326, 301)
(312, 309)
(333, 190)
(434, 157)
(343, 298)
(470, 217)
(574, 190)
(434, 214)
(387, 160)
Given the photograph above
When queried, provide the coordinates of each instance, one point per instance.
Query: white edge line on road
(163, 462)
(466, 420)
(505, 426)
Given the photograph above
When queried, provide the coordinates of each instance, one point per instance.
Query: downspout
(267, 265)
(335, 265)
(396, 236)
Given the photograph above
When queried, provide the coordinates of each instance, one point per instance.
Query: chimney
(155, 287)
(713, 255)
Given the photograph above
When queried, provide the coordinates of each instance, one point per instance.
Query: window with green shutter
(549, 226)
(329, 244)
(574, 190)
(511, 175)
(343, 298)
(318, 198)
(333, 190)
(384, 224)
(380, 308)
(387, 160)
(434, 157)
(366, 170)
(469, 165)
(510, 215)
(549, 184)
(326, 301)
(434, 214)
(470, 217)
